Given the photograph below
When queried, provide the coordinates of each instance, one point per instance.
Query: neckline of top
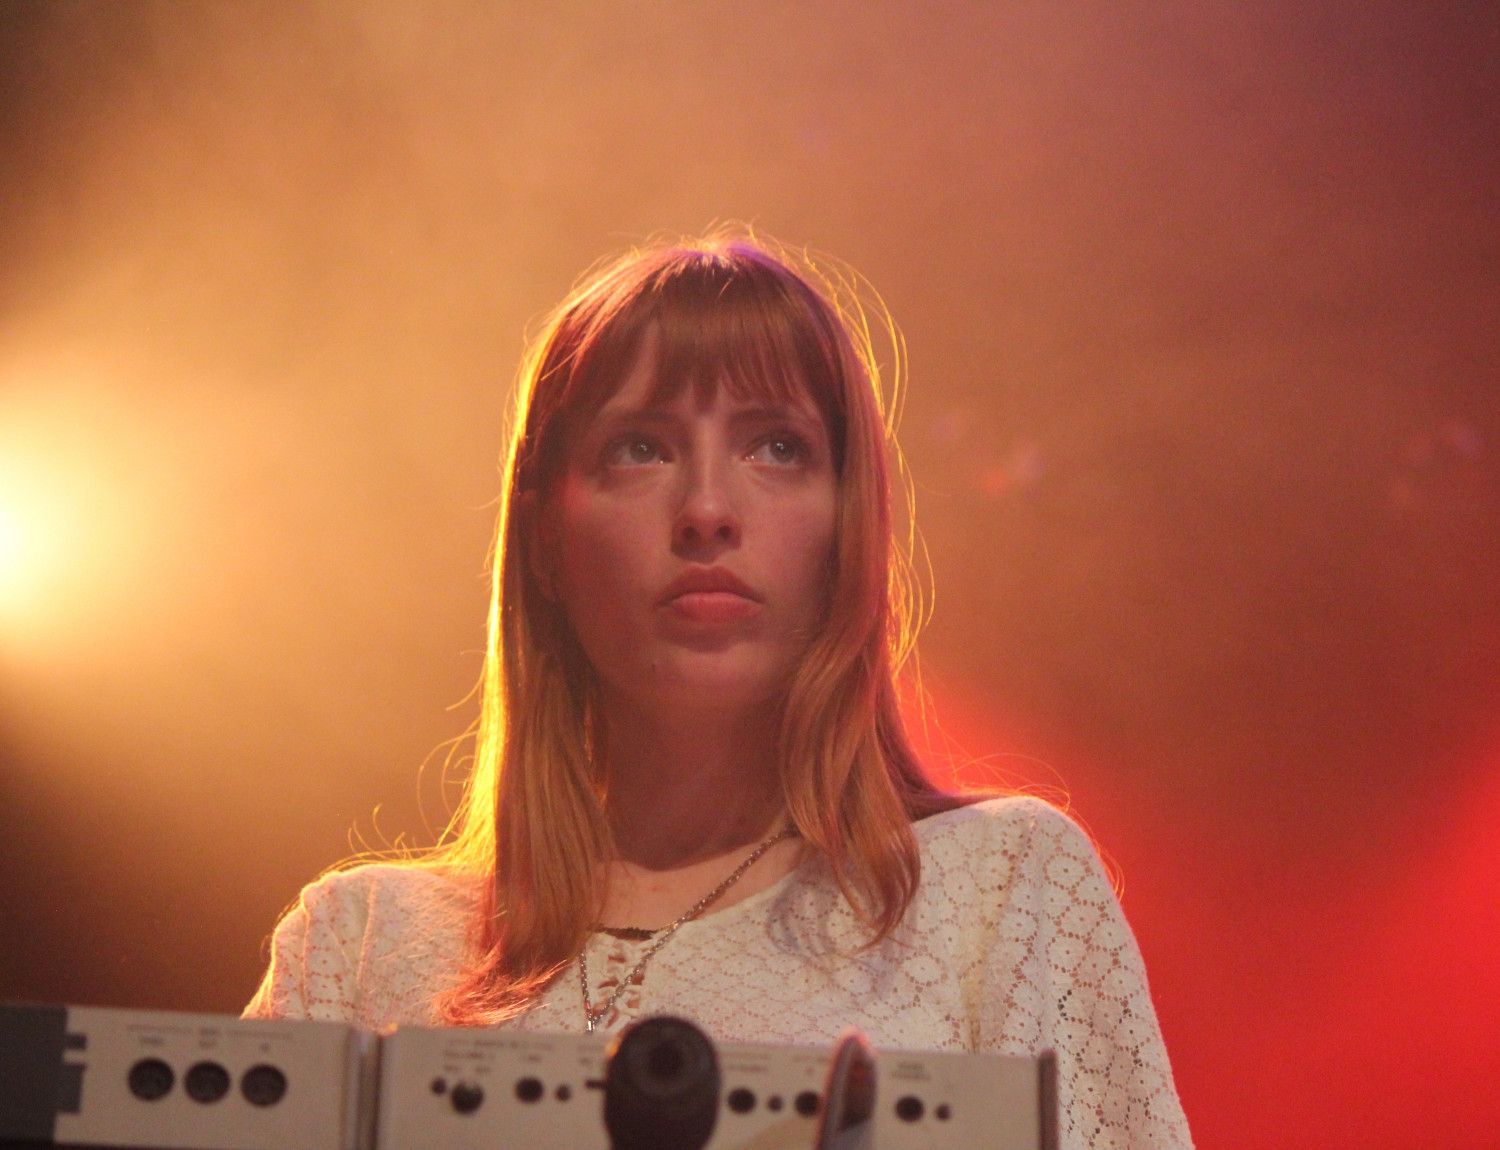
(803, 870)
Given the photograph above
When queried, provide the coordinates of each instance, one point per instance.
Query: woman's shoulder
(390, 889)
(368, 944)
(997, 843)
(1000, 820)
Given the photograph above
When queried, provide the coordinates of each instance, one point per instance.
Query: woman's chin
(687, 681)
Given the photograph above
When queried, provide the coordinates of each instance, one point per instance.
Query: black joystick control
(661, 1087)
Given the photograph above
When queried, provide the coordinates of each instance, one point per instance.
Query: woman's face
(690, 541)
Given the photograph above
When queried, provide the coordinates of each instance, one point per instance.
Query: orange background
(1200, 301)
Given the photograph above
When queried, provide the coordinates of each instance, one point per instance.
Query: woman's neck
(690, 787)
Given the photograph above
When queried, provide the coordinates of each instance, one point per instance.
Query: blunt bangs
(724, 317)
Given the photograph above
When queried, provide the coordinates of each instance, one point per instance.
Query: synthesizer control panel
(494, 1090)
(92, 1076)
(98, 1077)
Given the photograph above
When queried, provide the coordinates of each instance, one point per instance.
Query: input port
(206, 1082)
(263, 1085)
(467, 1097)
(150, 1079)
(909, 1108)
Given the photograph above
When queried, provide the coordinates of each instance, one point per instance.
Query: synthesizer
(97, 1077)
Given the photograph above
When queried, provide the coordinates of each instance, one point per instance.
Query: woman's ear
(534, 537)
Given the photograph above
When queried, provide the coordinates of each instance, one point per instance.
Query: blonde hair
(728, 308)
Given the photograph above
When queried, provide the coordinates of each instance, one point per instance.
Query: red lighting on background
(1354, 1004)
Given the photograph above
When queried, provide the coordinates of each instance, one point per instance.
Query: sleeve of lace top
(1078, 986)
(315, 953)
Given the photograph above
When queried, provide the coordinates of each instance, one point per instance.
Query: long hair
(730, 308)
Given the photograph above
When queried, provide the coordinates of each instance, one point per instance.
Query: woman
(692, 790)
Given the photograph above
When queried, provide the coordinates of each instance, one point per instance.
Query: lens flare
(40, 521)
(75, 512)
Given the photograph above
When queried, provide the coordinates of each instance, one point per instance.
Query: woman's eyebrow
(771, 413)
(634, 413)
(659, 413)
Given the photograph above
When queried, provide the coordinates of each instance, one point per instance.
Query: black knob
(661, 1087)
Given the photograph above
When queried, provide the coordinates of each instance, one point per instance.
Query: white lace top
(1014, 943)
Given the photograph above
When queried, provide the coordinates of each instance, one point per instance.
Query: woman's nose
(707, 516)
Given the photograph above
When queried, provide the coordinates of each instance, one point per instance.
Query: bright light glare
(35, 525)
(11, 545)
(70, 514)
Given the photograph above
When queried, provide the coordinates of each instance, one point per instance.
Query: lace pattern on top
(1014, 943)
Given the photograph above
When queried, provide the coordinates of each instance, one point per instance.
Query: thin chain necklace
(591, 1015)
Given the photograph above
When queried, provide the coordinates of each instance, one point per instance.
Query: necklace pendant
(661, 936)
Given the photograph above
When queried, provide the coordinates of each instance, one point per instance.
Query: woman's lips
(708, 597)
(711, 607)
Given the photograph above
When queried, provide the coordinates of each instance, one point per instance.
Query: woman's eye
(780, 449)
(632, 451)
